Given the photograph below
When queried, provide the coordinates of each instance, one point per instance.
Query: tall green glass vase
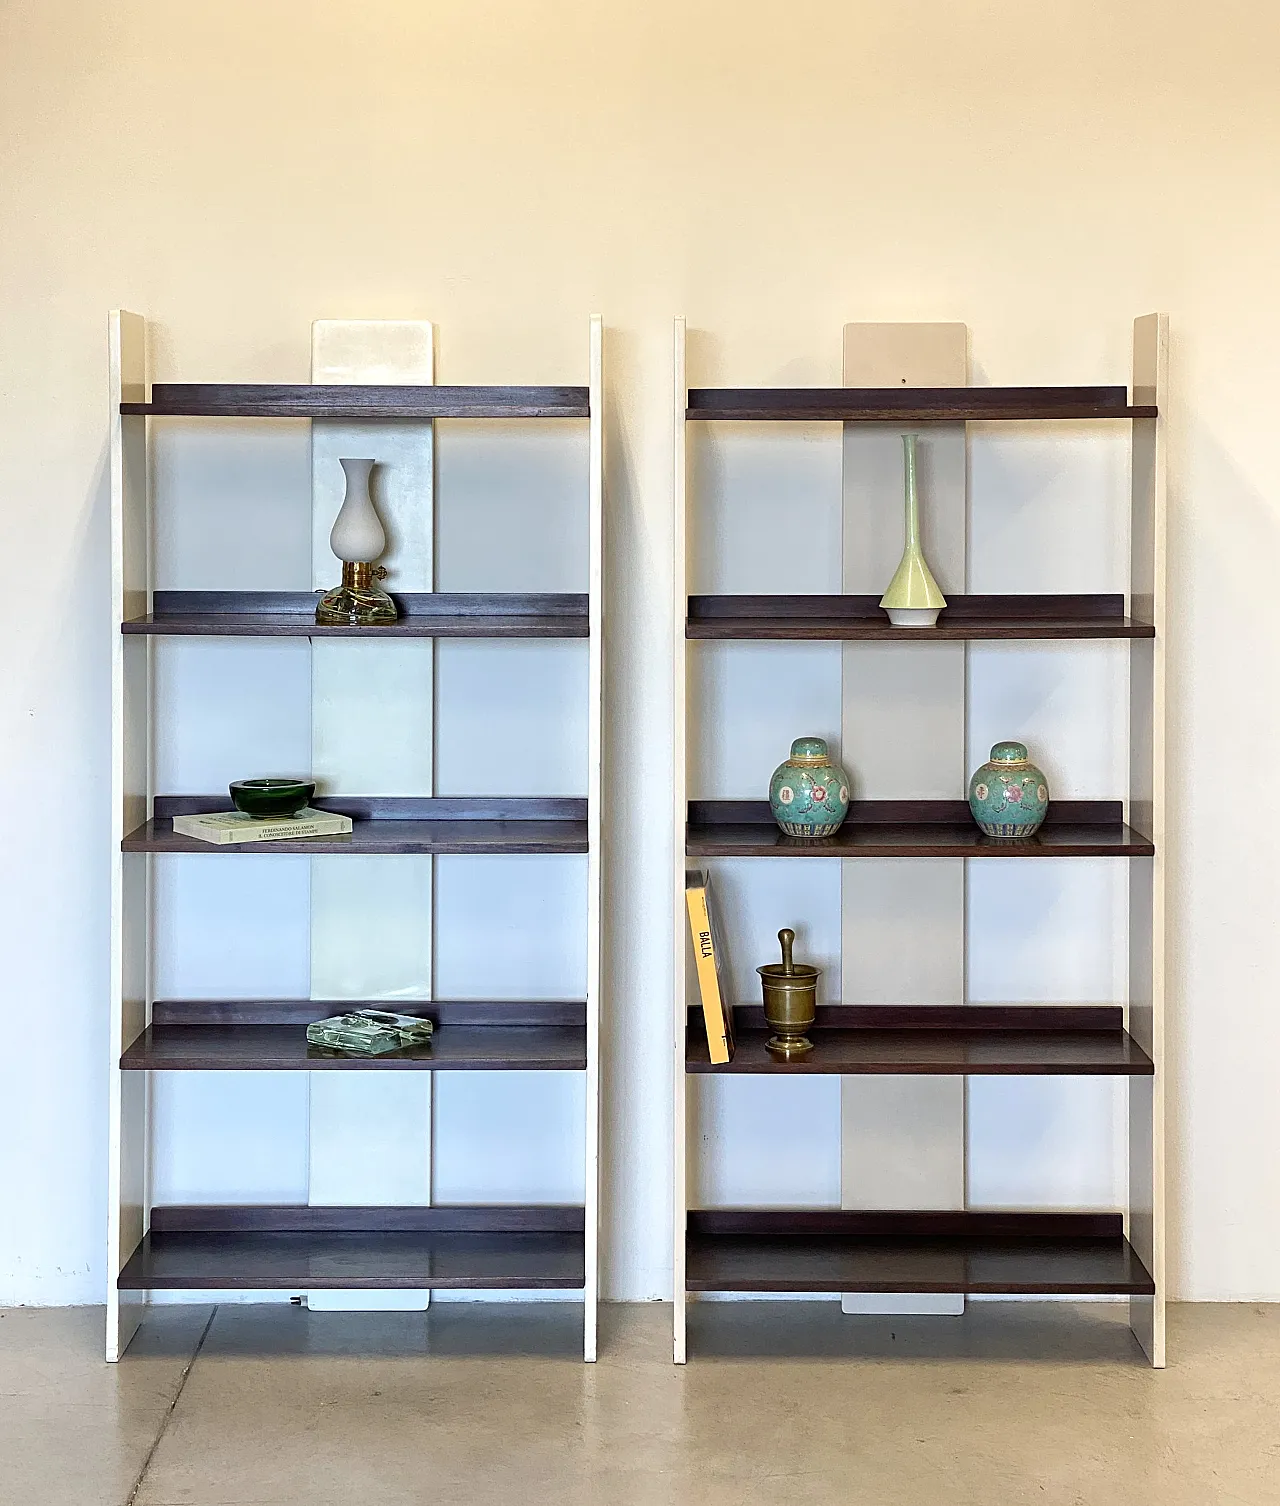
(913, 599)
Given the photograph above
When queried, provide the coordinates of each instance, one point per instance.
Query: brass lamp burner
(359, 601)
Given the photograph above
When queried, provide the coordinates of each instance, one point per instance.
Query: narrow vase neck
(913, 502)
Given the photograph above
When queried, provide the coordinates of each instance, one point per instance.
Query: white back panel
(372, 731)
(510, 927)
(903, 1139)
(509, 507)
(513, 717)
(767, 512)
(223, 481)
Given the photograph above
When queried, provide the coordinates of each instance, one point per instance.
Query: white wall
(1042, 174)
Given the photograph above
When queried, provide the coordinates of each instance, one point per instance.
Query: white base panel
(367, 1302)
(924, 1304)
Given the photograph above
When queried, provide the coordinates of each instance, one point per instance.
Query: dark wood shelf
(392, 824)
(270, 1035)
(265, 1248)
(305, 400)
(425, 614)
(1001, 1254)
(972, 1039)
(915, 405)
(861, 617)
(911, 829)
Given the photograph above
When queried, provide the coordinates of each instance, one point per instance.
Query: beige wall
(1040, 172)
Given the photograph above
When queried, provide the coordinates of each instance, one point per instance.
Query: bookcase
(905, 1046)
(367, 916)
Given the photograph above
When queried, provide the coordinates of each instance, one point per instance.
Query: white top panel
(353, 352)
(398, 353)
(906, 355)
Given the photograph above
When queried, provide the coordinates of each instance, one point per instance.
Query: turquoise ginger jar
(809, 794)
(1008, 795)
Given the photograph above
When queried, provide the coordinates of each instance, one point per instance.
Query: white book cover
(225, 827)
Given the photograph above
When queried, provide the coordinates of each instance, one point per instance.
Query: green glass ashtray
(271, 797)
(369, 1032)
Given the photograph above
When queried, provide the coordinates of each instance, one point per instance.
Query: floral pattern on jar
(809, 794)
(1008, 795)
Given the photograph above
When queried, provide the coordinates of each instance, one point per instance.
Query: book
(224, 827)
(717, 1013)
(369, 1032)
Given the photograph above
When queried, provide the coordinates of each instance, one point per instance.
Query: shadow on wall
(1222, 904)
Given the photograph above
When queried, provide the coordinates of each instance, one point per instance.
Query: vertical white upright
(595, 734)
(679, 795)
(903, 736)
(373, 734)
(131, 792)
(1145, 812)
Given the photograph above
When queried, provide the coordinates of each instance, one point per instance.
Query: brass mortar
(790, 1002)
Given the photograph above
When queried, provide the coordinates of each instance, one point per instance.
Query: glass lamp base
(355, 606)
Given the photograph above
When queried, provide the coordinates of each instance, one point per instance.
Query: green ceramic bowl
(271, 797)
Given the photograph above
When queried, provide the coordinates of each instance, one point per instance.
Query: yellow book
(707, 951)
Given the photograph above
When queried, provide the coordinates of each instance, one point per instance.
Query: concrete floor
(785, 1405)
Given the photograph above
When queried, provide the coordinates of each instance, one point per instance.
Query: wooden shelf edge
(387, 824)
(857, 629)
(291, 614)
(266, 1248)
(912, 405)
(371, 402)
(852, 617)
(475, 1012)
(907, 828)
(1103, 842)
(729, 630)
(385, 838)
(281, 626)
(305, 1218)
(1000, 1040)
(834, 413)
(978, 1253)
(284, 1048)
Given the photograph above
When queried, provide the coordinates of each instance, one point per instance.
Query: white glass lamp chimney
(358, 536)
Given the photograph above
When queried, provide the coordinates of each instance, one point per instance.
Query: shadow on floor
(1032, 1332)
(456, 1330)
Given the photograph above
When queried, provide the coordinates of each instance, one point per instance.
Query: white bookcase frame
(919, 1120)
(385, 353)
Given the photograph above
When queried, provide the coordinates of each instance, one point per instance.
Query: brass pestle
(790, 1001)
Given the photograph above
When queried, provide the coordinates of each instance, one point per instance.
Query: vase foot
(913, 617)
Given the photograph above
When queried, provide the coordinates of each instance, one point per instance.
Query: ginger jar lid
(1009, 753)
(812, 750)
